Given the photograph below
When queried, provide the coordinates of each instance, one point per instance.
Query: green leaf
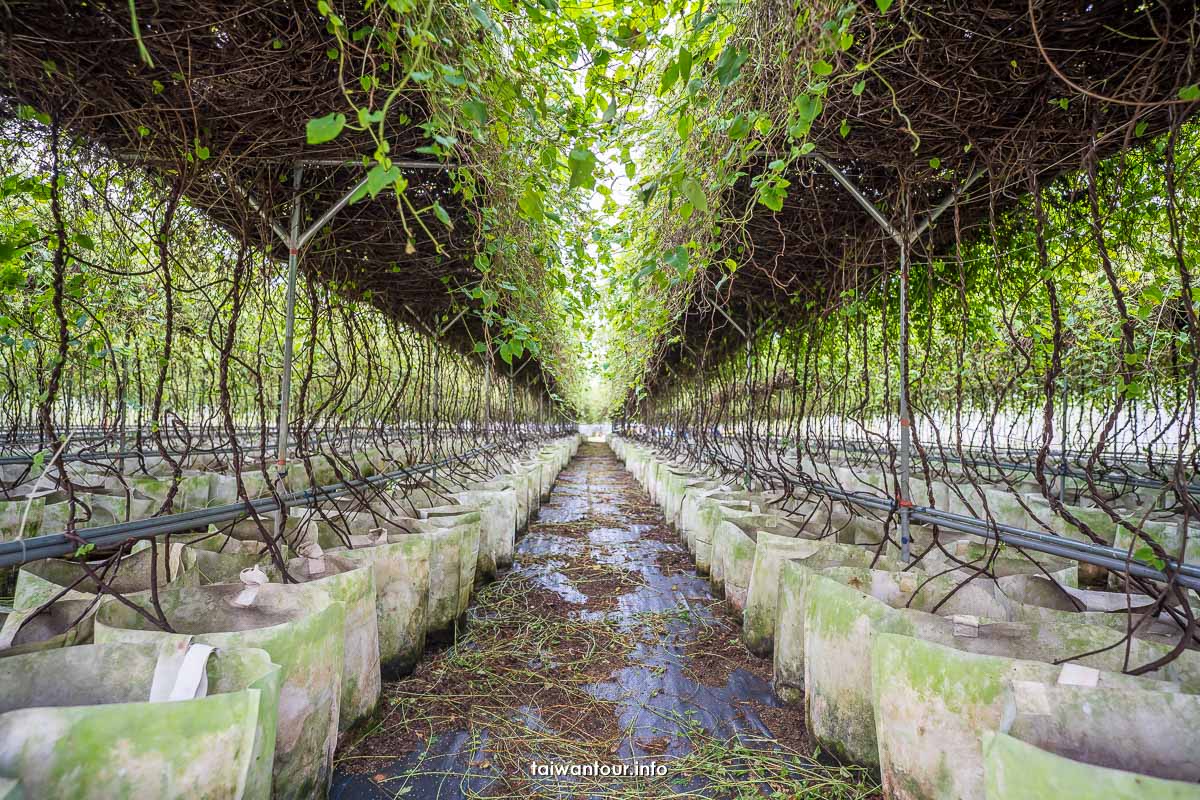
(325, 129)
(677, 258)
(1190, 93)
(441, 214)
(29, 112)
(729, 64)
(669, 76)
(694, 193)
(481, 16)
(771, 199)
(684, 126)
(935, 162)
(366, 118)
(531, 204)
(773, 194)
(844, 129)
(685, 66)
(646, 271)
(610, 111)
(85, 241)
(378, 178)
(739, 127)
(582, 162)
(476, 111)
(823, 67)
(1139, 130)
(858, 88)
(883, 5)
(809, 107)
(1145, 553)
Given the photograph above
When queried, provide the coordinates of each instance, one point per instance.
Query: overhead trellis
(227, 99)
(909, 105)
(355, 144)
(912, 244)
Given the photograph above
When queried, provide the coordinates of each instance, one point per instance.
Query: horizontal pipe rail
(58, 545)
(1113, 477)
(223, 449)
(1185, 574)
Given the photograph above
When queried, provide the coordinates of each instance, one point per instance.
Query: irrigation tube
(57, 545)
(1111, 558)
(1113, 478)
(117, 455)
(220, 449)
(1088, 552)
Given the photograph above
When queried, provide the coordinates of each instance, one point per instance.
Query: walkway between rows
(601, 648)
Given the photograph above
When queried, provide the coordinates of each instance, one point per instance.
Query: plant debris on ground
(521, 682)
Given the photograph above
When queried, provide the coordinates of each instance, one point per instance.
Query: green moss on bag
(303, 630)
(76, 722)
(1015, 770)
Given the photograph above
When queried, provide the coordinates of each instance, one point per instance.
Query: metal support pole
(451, 323)
(435, 405)
(295, 240)
(528, 361)
(124, 401)
(1062, 455)
(289, 331)
(858, 196)
(512, 404)
(905, 489)
(748, 445)
(487, 391)
(729, 319)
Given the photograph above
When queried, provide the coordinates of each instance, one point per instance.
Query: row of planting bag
(954, 685)
(106, 494)
(245, 697)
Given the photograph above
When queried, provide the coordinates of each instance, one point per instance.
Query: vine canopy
(908, 100)
(224, 99)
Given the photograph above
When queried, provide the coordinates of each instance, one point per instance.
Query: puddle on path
(600, 645)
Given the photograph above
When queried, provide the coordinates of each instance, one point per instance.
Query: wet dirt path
(600, 648)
